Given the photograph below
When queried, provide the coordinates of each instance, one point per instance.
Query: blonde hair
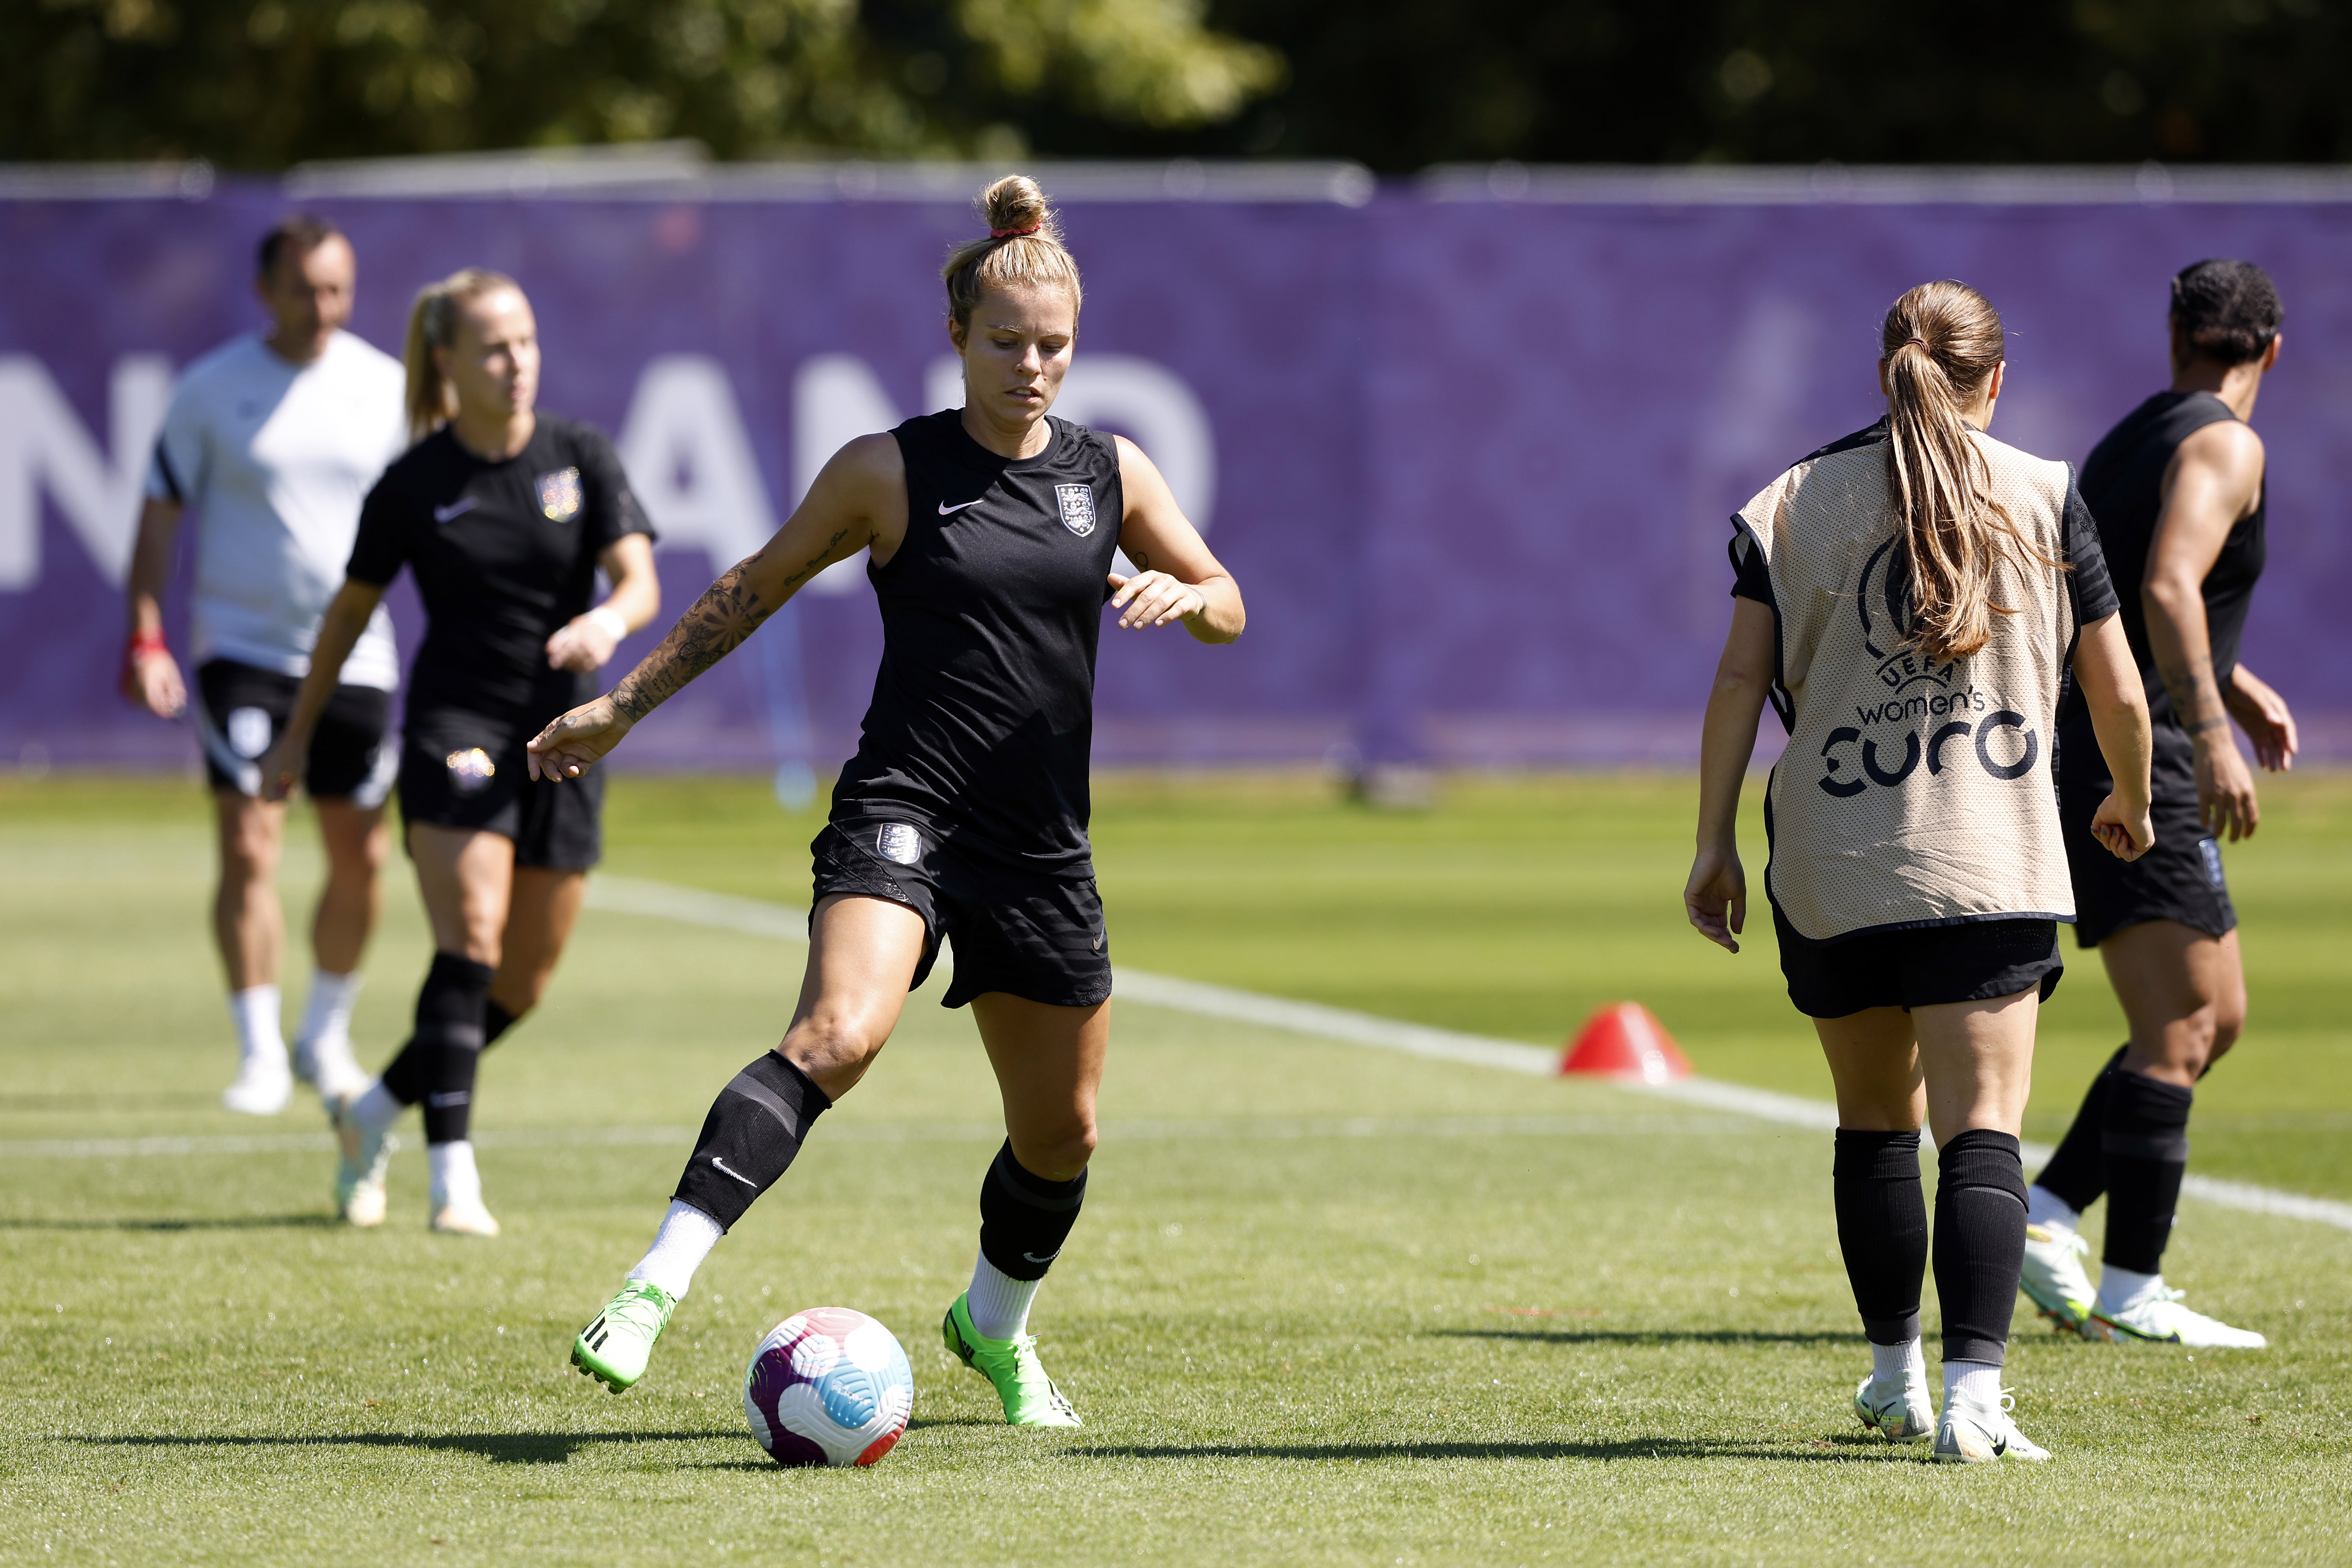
(1941, 343)
(1024, 246)
(432, 324)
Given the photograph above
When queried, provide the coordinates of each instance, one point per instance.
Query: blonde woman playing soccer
(1911, 599)
(993, 531)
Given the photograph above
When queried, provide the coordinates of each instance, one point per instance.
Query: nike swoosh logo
(1047, 1259)
(457, 508)
(945, 508)
(719, 1166)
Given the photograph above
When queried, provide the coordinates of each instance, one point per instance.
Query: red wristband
(146, 642)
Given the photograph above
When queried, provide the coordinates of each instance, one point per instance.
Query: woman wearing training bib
(992, 530)
(1911, 599)
(503, 515)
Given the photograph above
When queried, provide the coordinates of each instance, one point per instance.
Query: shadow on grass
(236, 1222)
(498, 1447)
(1844, 1448)
(1654, 1336)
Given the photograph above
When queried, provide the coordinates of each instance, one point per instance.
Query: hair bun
(1016, 203)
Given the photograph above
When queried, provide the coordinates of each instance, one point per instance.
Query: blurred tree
(264, 84)
(1399, 84)
(1404, 83)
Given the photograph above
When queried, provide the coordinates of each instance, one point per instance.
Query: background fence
(1468, 443)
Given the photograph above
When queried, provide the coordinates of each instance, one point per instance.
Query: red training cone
(1625, 1040)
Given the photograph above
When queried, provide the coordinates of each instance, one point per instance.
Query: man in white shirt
(275, 439)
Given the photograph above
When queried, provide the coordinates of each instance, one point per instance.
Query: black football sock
(436, 1067)
(755, 1128)
(1023, 1218)
(497, 1021)
(1881, 1220)
(2147, 1144)
(1979, 1242)
(2077, 1174)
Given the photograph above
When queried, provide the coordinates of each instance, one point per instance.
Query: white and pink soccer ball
(828, 1387)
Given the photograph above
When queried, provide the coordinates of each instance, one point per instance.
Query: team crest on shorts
(898, 842)
(558, 494)
(470, 770)
(1078, 508)
(248, 731)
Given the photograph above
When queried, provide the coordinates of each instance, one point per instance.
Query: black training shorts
(1920, 966)
(457, 770)
(239, 710)
(2177, 880)
(1040, 938)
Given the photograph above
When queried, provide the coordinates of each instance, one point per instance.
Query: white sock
(684, 1239)
(999, 1302)
(260, 1034)
(327, 1012)
(454, 1178)
(1890, 1363)
(1976, 1381)
(375, 1109)
(2122, 1288)
(2043, 1206)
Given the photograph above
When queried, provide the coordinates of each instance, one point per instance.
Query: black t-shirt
(505, 554)
(2124, 479)
(2088, 580)
(982, 720)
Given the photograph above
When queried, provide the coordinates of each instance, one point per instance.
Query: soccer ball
(828, 1387)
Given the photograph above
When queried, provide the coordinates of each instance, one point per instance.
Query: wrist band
(609, 619)
(146, 642)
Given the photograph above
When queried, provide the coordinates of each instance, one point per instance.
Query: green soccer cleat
(615, 1348)
(1030, 1397)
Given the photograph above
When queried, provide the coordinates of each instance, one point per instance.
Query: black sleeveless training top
(2123, 482)
(982, 720)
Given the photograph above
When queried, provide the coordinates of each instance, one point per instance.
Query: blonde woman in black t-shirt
(504, 515)
(1910, 598)
(992, 531)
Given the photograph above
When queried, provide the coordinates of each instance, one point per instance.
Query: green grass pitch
(1326, 1305)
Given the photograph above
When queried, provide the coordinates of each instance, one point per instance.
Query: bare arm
(339, 632)
(151, 677)
(587, 642)
(1175, 578)
(2265, 718)
(2215, 477)
(859, 500)
(2109, 682)
(1716, 897)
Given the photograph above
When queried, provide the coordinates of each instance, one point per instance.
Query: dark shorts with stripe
(2179, 878)
(241, 709)
(458, 770)
(1040, 938)
(1921, 966)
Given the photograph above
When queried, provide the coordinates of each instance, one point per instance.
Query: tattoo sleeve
(728, 611)
(2196, 697)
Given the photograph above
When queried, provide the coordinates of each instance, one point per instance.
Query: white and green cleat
(363, 1158)
(615, 1348)
(1029, 1395)
(1899, 1410)
(1983, 1434)
(2054, 1280)
(2161, 1320)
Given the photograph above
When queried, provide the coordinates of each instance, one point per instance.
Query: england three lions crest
(559, 495)
(1078, 508)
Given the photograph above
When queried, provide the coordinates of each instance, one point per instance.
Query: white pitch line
(757, 917)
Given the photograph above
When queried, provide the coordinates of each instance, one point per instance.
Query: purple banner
(1471, 460)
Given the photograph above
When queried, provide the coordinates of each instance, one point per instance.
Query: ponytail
(432, 324)
(1941, 343)
(1024, 246)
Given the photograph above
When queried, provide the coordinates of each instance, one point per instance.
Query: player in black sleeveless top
(503, 515)
(992, 532)
(2178, 491)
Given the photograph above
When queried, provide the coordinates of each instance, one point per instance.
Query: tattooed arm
(859, 502)
(2216, 478)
